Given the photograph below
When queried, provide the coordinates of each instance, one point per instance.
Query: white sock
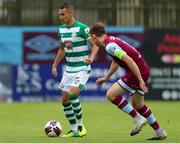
(80, 122)
(74, 127)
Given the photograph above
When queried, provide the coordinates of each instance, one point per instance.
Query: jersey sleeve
(85, 32)
(115, 50)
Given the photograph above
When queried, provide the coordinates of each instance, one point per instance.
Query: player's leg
(73, 104)
(128, 82)
(69, 113)
(73, 96)
(79, 129)
(78, 84)
(138, 104)
(65, 84)
(113, 95)
(73, 107)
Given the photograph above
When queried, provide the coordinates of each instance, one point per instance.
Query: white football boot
(139, 122)
(159, 134)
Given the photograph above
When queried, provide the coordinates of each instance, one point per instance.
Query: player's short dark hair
(98, 29)
(68, 6)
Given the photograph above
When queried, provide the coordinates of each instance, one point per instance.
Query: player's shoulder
(111, 47)
(114, 39)
(83, 25)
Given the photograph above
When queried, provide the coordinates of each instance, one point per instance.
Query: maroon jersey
(117, 48)
(130, 51)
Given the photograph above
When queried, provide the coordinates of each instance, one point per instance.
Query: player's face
(97, 40)
(65, 16)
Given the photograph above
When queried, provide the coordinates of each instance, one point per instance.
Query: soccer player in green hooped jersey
(73, 36)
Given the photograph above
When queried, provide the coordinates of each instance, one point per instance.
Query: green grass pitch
(24, 123)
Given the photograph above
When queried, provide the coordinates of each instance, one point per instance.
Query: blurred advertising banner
(34, 82)
(162, 51)
(21, 45)
(12, 41)
(5, 82)
(39, 47)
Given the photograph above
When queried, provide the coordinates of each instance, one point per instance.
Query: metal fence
(148, 13)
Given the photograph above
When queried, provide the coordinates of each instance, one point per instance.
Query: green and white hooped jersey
(76, 35)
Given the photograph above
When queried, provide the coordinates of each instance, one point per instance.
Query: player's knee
(65, 99)
(137, 105)
(109, 95)
(74, 90)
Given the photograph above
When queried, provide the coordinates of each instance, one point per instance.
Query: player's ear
(71, 12)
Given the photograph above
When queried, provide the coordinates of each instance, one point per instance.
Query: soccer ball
(53, 128)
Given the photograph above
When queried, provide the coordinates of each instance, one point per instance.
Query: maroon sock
(146, 112)
(123, 104)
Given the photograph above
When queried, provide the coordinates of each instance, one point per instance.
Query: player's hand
(54, 71)
(143, 86)
(88, 61)
(100, 81)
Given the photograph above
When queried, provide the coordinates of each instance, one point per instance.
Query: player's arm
(134, 68)
(116, 51)
(113, 68)
(94, 51)
(59, 57)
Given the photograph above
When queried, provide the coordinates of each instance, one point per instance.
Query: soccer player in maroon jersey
(133, 82)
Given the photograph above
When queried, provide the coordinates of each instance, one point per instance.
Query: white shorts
(74, 79)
